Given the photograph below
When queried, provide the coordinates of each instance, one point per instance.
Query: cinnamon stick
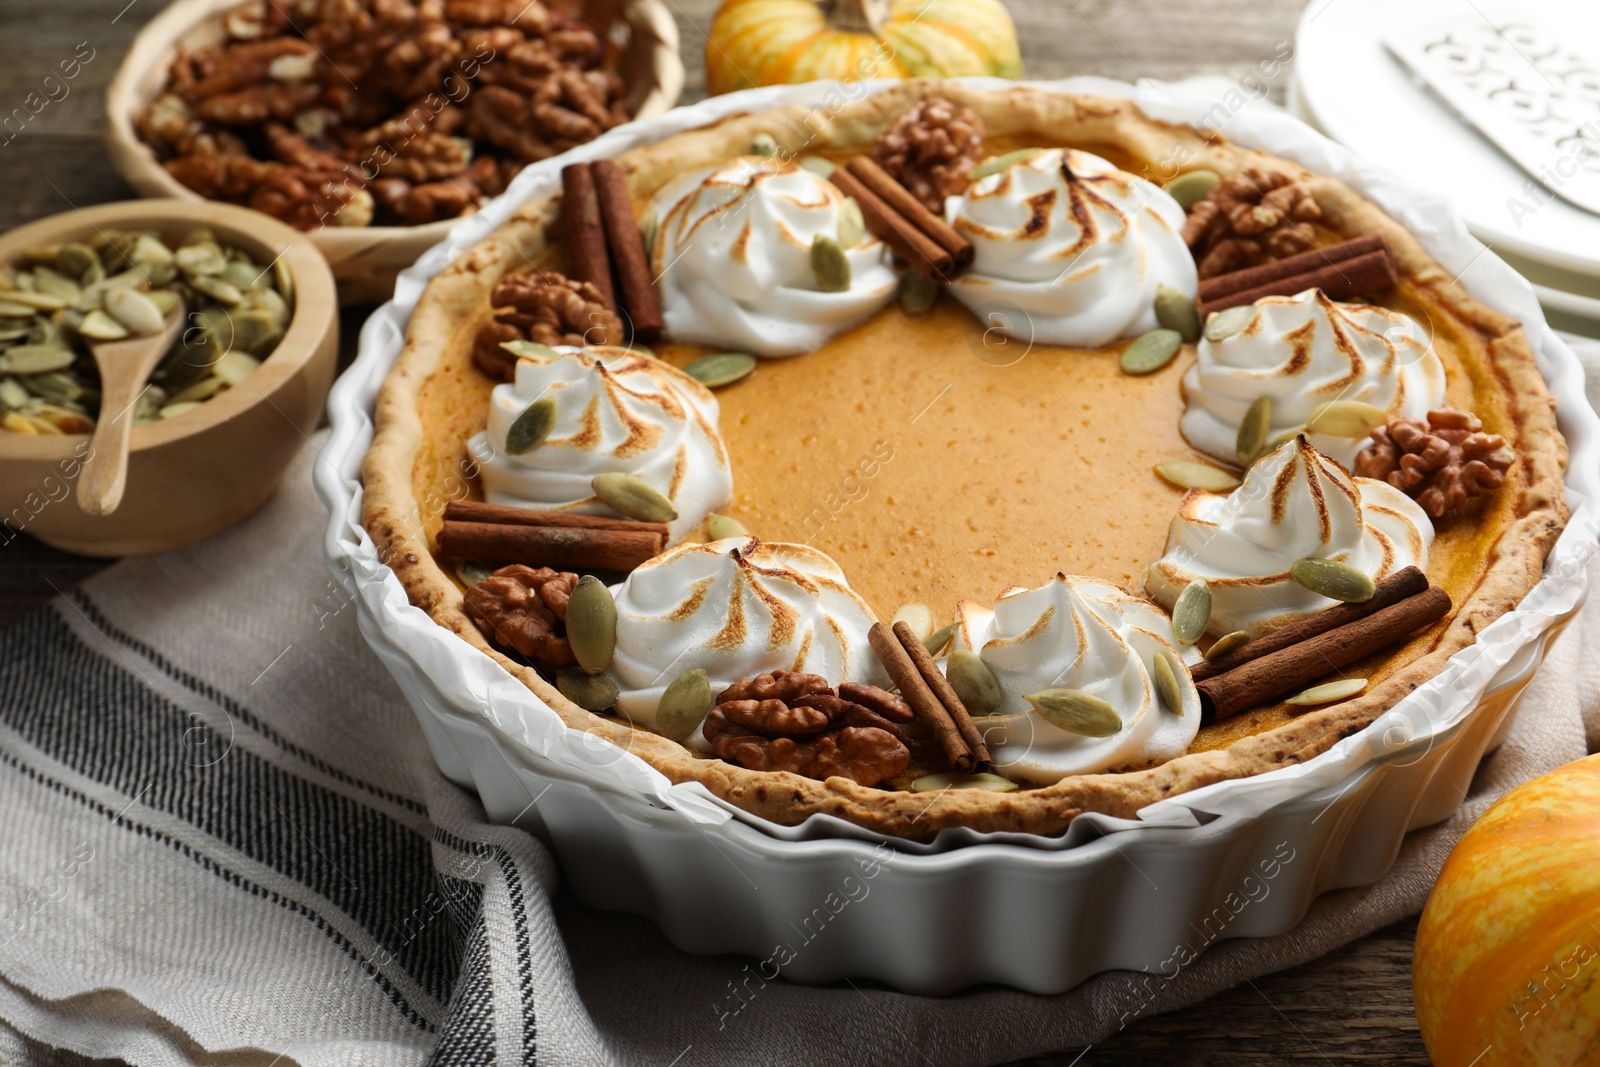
(584, 231)
(1374, 272)
(1253, 277)
(943, 692)
(921, 252)
(478, 511)
(626, 247)
(564, 548)
(899, 199)
(1289, 669)
(1403, 583)
(916, 693)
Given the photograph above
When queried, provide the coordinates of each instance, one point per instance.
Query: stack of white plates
(1351, 86)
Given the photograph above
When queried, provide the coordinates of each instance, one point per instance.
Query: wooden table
(1353, 1006)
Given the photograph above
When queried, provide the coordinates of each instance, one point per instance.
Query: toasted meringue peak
(1304, 351)
(1075, 633)
(733, 255)
(1294, 503)
(1069, 250)
(737, 608)
(616, 410)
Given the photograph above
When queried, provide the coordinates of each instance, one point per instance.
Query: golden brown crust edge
(391, 516)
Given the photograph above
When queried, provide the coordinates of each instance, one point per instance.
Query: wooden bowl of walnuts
(234, 398)
(371, 125)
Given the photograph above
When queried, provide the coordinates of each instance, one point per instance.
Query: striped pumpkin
(778, 42)
(1507, 964)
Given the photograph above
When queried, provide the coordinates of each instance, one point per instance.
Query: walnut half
(788, 721)
(524, 608)
(1441, 463)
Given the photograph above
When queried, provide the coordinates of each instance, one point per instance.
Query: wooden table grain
(1351, 1007)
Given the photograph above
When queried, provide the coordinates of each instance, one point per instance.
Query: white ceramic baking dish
(825, 900)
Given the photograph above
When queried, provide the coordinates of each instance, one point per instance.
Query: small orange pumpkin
(1507, 963)
(778, 42)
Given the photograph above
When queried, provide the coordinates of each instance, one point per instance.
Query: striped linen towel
(225, 842)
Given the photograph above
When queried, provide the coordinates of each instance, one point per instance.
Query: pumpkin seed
(530, 350)
(35, 359)
(629, 495)
(1191, 188)
(234, 367)
(35, 301)
(1227, 643)
(852, 226)
(12, 394)
(173, 410)
(77, 260)
(9, 309)
(472, 571)
(1176, 310)
(591, 692)
(282, 280)
(1224, 324)
(217, 289)
(1253, 431)
(817, 165)
(684, 705)
(1171, 679)
(917, 616)
(996, 164)
(1281, 440)
(204, 389)
(974, 682)
(1334, 579)
(721, 526)
(200, 259)
(243, 276)
(56, 387)
(647, 235)
(938, 783)
(917, 293)
(165, 300)
(1150, 352)
(57, 285)
(1191, 612)
(1346, 418)
(830, 265)
(1328, 692)
(764, 144)
(936, 641)
(592, 624)
(529, 429)
(721, 368)
(1076, 712)
(1190, 474)
(98, 326)
(135, 311)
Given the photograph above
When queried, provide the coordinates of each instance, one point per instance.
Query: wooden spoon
(125, 368)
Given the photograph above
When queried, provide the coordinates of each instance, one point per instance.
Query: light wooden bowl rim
(154, 46)
(314, 312)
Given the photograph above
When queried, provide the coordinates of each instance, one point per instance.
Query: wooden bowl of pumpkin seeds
(229, 405)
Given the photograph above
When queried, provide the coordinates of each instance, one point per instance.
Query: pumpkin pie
(1071, 459)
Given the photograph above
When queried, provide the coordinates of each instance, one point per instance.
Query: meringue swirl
(733, 255)
(1075, 633)
(736, 608)
(1304, 351)
(616, 410)
(1076, 245)
(1294, 503)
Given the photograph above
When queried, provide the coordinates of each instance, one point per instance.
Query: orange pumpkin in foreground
(1507, 964)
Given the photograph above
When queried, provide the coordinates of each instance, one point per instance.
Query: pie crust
(432, 400)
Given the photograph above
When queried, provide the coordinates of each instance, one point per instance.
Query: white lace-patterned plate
(1522, 85)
